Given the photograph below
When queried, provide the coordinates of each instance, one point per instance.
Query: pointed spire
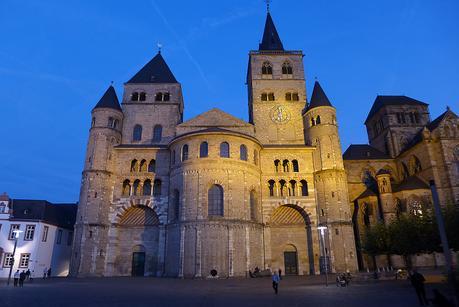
(318, 98)
(271, 39)
(155, 71)
(109, 100)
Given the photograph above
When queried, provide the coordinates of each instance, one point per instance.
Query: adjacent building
(390, 176)
(45, 235)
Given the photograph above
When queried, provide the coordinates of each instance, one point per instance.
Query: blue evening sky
(58, 57)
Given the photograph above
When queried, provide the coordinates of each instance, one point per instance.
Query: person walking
(16, 278)
(49, 272)
(27, 274)
(22, 277)
(45, 272)
(31, 276)
(417, 281)
(276, 280)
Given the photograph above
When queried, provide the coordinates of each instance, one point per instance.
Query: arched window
(318, 119)
(159, 96)
(215, 200)
(135, 96)
(287, 69)
(271, 97)
(304, 188)
(176, 205)
(272, 184)
(295, 97)
(296, 169)
(267, 69)
(152, 166)
(157, 133)
(255, 157)
(224, 150)
(111, 122)
(243, 152)
(93, 122)
(276, 165)
(126, 188)
(286, 166)
(253, 205)
(204, 150)
(143, 166)
(157, 187)
(136, 187)
(147, 187)
(142, 96)
(166, 96)
(292, 188)
(116, 124)
(313, 122)
(415, 165)
(283, 187)
(134, 166)
(264, 96)
(185, 152)
(288, 96)
(137, 133)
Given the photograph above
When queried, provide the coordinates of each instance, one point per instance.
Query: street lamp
(16, 237)
(322, 229)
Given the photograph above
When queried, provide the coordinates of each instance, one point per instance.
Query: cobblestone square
(293, 291)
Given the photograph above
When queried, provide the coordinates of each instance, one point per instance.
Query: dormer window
(160, 96)
(287, 70)
(267, 70)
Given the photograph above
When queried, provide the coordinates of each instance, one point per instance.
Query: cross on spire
(268, 2)
(160, 46)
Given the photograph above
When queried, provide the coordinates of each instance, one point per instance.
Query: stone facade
(407, 151)
(214, 194)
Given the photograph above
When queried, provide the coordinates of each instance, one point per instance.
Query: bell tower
(276, 90)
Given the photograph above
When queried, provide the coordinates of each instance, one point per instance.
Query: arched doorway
(137, 242)
(291, 240)
(290, 260)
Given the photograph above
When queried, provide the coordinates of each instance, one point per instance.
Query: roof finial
(315, 78)
(159, 45)
(111, 82)
(448, 108)
(268, 2)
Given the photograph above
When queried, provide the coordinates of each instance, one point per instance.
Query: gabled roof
(318, 98)
(155, 71)
(271, 39)
(363, 152)
(436, 122)
(62, 215)
(109, 100)
(367, 193)
(215, 118)
(381, 101)
(411, 183)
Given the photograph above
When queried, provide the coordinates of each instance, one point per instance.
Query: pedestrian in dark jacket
(27, 274)
(49, 272)
(417, 280)
(276, 280)
(16, 278)
(22, 277)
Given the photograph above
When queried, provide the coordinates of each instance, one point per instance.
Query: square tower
(276, 90)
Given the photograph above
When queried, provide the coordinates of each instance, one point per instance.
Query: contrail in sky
(182, 43)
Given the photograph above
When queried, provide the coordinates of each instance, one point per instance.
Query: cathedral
(215, 196)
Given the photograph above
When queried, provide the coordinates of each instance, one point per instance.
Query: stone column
(161, 251)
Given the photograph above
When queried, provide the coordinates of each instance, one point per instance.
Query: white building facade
(44, 237)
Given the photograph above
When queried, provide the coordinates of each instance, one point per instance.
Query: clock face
(279, 114)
